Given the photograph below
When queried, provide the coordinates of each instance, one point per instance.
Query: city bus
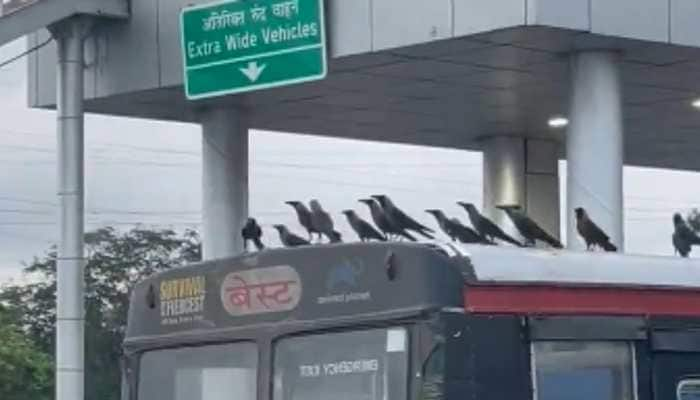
(395, 321)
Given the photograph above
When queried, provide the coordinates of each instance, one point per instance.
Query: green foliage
(116, 261)
(25, 371)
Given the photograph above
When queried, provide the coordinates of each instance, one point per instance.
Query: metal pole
(594, 145)
(520, 171)
(224, 181)
(504, 178)
(70, 319)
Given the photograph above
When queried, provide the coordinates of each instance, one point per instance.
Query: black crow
(528, 228)
(400, 219)
(382, 221)
(289, 239)
(683, 237)
(591, 233)
(364, 230)
(304, 216)
(322, 222)
(456, 230)
(485, 226)
(252, 232)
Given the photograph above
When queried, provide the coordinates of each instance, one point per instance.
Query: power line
(25, 53)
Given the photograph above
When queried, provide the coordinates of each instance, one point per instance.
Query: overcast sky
(141, 171)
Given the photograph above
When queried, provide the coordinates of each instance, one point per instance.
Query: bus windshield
(214, 372)
(357, 365)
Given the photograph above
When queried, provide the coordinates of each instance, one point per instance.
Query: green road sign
(240, 46)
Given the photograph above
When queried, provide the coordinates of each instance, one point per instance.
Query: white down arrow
(253, 70)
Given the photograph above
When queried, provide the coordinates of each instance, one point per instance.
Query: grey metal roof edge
(46, 12)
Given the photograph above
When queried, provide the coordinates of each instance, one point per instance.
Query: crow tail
(425, 234)
(553, 242)
(335, 237)
(258, 244)
(511, 240)
(607, 246)
(407, 236)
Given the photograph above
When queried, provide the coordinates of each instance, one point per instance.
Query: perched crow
(485, 226)
(591, 233)
(304, 216)
(289, 239)
(529, 228)
(252, 232)
(364, 230)
(322, 222)
(400, 219)
(683, 237)
(456, 230)
(382, 221)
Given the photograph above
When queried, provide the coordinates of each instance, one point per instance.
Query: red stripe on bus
(567, 300)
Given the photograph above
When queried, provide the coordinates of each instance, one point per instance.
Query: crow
(252, 232)
(304, 216)
(322, 222)
(591, 233)
(364, 230)
(683, 237)
(400, 219)
(485, 226)
(528, 228)
(289, 239)
(456, 230)
(382, 221)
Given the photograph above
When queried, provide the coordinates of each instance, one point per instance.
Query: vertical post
(504, 177)
(524, 172)
(542, 184)
(224, 181)
(70, 319)
(594, 145)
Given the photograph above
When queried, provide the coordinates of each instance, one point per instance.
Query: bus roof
(356, 282)
(510, 265)
(542, 282)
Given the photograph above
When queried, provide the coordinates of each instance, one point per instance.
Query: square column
(594, 146)
(524, 172)
(224, 181)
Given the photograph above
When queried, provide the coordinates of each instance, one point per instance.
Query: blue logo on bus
(345, 275)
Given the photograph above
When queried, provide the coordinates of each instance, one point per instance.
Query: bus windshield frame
(206, 372)
(369, 363)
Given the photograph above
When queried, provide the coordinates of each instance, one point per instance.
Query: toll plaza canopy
(21, 17)
(441, 73)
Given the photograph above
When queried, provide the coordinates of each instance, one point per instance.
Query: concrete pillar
(224, 181)
(523, 172)
(504, 177)
(594, 145)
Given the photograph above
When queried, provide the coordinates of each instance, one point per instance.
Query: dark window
(221, 372)
(434, 374)
(358, 365)
(583, 371)
(689, 389)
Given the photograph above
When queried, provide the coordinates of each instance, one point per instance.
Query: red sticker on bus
(261, 290)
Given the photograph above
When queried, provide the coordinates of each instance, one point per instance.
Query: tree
(694, 220)
(115, 262)
(25, 371)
